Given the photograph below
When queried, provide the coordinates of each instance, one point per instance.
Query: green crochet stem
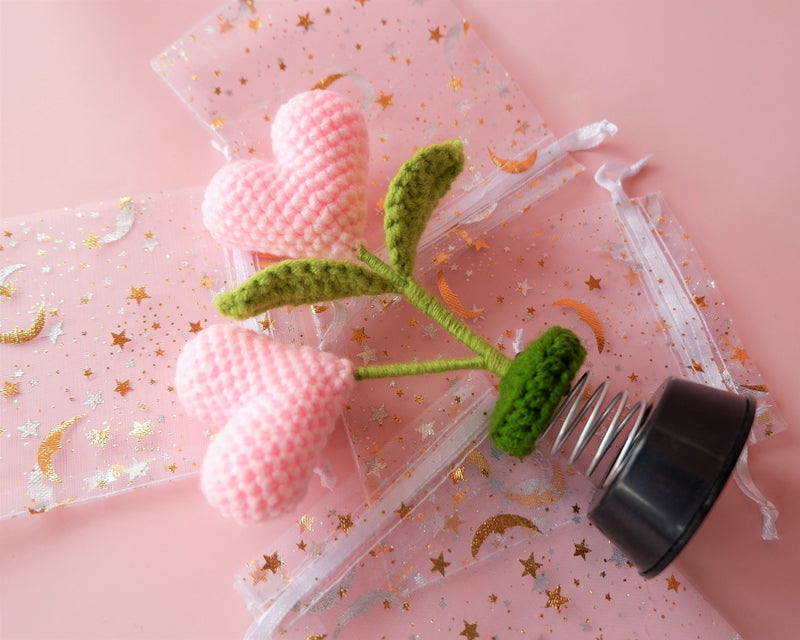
(489, 357)
(417, 368)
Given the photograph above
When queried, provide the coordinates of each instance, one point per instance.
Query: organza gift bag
(441, 499)
(97, 302)
(430, 496)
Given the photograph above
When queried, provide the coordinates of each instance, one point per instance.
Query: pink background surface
(712, 94)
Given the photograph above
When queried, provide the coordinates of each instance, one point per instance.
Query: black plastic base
(688, 446)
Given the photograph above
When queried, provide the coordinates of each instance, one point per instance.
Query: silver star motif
(430, 330)
(30, 428)
(55, 332)
(93, 399)
(369, 354)
(137, 469)
(374, 466)
(379, 414)
(426, 429)
(523, 287)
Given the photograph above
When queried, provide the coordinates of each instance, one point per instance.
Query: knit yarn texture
(277, 405)
(532, 388)
(312, 200)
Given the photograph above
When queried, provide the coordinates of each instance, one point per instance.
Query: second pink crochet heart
(277, 404)
(311, 202)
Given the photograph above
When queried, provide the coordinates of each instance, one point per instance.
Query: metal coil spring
(577, 409)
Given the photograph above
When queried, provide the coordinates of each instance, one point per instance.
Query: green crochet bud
(532, 388)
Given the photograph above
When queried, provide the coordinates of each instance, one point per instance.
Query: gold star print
(6, 290)
(699, 301)
(171, 467)
(138, 294)
(439, 564)
(92, 241)
(455, 83)
(217, 123)
(119, 339)
(259, 575)
(123, 387)
(305, 21)
(255, 25)
(632, 277)
(272, 563)
(581, 549)
(696, 366)
(362, 2)
(741, 355)
(531, 566)
(555, 599)
(88, 373)
(345, 523)
(195, 327)
(359, 335)
(452, 522)
(141, 429)
(206, 282)
(457, 475)
(10, 389)
(385, 100)
(470, 630)
(403, 510)
(102, 437)
(267, 324)
(673, 583)
(435, 34)
(306, 523)
(593, 283)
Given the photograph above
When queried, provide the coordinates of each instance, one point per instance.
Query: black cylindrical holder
(687, 447)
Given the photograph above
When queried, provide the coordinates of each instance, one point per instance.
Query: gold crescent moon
(327, 81)
(543, 498)
(499, 524)
(589, 317)
(452, 300)
(514, 166)
(18, 336)
(50, 444)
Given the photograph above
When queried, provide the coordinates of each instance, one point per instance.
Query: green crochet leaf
(413, 195)
(532, 388)
(296, 282)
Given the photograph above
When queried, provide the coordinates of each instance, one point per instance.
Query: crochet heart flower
(278, 404)
(312, 201)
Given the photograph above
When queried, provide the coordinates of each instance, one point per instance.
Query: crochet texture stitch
(312, 200)
(279, 405)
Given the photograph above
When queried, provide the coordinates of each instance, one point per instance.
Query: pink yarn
(312, 201)
(278, 404)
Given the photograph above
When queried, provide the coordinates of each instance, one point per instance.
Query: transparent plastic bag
(104, 296)
(514, 275)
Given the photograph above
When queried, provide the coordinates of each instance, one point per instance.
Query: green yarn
(531, 385)
(296, 282)
(417, 368)
(413, 195)
(422, 299)
(532, 388)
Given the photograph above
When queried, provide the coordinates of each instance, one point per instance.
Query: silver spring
(576, 410)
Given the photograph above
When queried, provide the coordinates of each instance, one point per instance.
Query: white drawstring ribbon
(686, 328)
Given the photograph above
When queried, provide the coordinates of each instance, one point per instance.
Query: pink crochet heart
(278, 404)
(312, 201)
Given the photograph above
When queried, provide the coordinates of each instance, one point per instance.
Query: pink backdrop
(712, 94)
